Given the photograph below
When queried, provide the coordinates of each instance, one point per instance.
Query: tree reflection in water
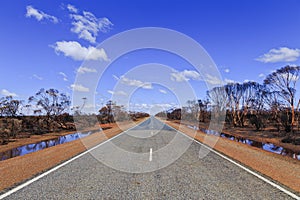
(22, 150)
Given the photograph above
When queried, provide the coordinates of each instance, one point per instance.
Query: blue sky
(43, 43)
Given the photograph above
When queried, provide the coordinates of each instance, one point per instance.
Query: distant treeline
(272, 104)
(48, 113)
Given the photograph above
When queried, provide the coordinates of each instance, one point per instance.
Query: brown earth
(16, 170)
(19, 169)
(282, 169)
(17, 142)
(266, 136)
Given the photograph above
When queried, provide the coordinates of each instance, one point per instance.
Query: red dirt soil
(19, 169)
(282, 169)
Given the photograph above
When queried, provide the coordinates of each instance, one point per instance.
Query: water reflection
(22, 150)
(265, 146)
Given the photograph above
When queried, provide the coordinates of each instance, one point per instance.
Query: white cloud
(152, 108)
(140, 106)
(120, 93)
(292, 65)
(229, 81)
(83, 70)
(5, 92)
(77, 52)
(213, 80)
(227, 70)
(185, 75)
(79, 88)
(247, 80)
(136, 83)
(72, 8)
(163, 91)
(37, 77)
(282, 54)
(39, 15)
(88, 25)
(261, 75)
(65, 77)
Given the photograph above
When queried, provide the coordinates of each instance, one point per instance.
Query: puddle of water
(193, 127)
(22, 150)
(265, 146)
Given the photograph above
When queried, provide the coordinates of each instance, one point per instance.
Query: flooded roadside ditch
(30, 148)
(265, 146)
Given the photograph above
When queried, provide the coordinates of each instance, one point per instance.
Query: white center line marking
(151, 132)
(150, 156)
(2, 196)
(241, 166)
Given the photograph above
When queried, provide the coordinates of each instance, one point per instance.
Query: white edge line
(19, 187)
(150, 156)
(241, 166)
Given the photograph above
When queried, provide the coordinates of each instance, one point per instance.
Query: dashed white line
(242, 167)
(150, 156)
(2, 196)
(150, 159)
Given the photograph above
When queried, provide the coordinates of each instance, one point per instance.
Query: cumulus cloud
(83, 70)
(282, 54)
(5, 92)
(65, 77)
(185, 75)
(162, 91)
(152, 108)
(134, 82)
(212, 80)
(247, 80)
(229, 81)
(77, 52)
(261, 75)
(87, 25)
(39, 15)
(120, 93)
(72, 8)
(79, 88)
(140, 106)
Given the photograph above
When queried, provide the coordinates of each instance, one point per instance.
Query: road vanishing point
(189, 177)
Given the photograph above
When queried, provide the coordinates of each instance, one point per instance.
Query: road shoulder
(281, 169)
(17, 170)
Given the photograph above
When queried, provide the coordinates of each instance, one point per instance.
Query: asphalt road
(103, 174)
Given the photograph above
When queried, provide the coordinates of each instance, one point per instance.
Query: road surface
(189, 177)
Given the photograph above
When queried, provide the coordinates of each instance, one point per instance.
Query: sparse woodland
(49, 113)
(272, 106)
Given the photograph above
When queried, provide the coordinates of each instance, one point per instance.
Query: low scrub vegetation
(270, 106)
(47, 111)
